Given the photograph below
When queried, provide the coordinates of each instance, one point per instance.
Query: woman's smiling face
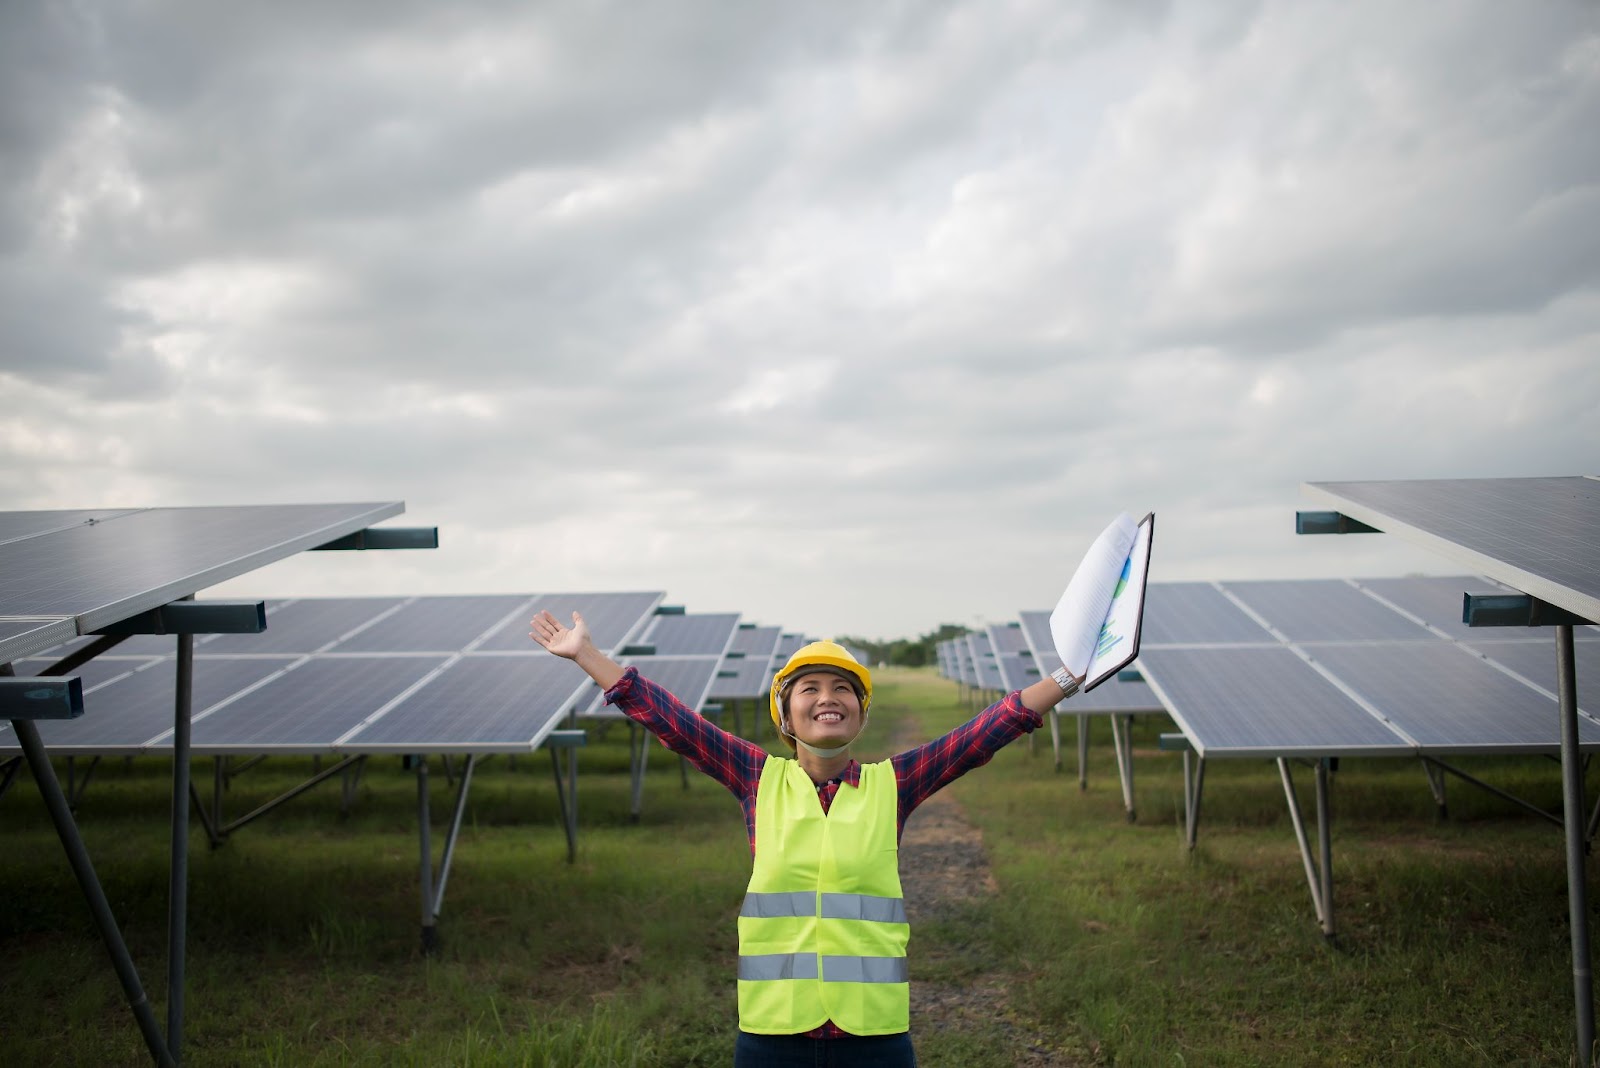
(824, 710)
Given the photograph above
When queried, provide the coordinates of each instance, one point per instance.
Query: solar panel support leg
(1193, 784)
(1083, 753)
(178, 893)
(55, 802)
(1436, 786)
(321, 776)
(567, 782)
(1325, 844)
(206, 824)
(430, 934)
(1572, 806)
(1318, 882)
(8, 774)
(1495, 790)
(638, 757)
(1122, 740)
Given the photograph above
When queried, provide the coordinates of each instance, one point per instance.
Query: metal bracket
(31, 697)
(1330, 523)
(1515, 610)
(194, 617)
(386, 538)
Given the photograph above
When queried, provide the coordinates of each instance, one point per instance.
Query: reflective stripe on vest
(822, 930)
(775, 967)
(834, 906)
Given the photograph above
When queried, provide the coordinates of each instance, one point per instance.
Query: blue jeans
(798, 1051)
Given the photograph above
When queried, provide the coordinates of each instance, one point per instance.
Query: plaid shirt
(736, 762)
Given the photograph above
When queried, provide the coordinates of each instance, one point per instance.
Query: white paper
(1122, 619)
(1076, 622)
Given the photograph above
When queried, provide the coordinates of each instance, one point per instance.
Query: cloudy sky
(853, 317)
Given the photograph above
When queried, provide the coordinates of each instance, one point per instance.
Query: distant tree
(907, 652)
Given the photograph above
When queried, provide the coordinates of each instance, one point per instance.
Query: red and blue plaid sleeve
(922, 771)
(733, 761)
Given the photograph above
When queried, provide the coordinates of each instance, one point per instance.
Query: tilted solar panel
(17, 525)
(1325, 610)
(311, 705)
(692, 634)
(1536, 662)
(133, 712)
(303, 626)
(1436, 599)
(1181, 613)
(1306, 715)
(613, 618)
(107, 571)
(1535, 534)
(444, 623)
(1449, 700)
(478, 704)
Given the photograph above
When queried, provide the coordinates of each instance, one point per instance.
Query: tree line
(907, 652)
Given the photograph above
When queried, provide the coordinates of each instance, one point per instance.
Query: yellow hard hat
(818, 655)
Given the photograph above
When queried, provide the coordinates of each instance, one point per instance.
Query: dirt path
(943, 865)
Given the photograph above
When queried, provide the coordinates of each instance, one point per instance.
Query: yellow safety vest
(823, 932)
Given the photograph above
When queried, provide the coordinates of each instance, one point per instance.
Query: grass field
(1120, 945)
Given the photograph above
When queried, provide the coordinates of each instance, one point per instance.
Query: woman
(822, 932)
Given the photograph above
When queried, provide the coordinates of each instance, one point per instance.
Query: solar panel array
(1343, 667)
(353, 675)
(1311, 667)
(688, 652)
(752, 661)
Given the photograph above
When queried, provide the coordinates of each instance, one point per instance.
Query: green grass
(1119, 945)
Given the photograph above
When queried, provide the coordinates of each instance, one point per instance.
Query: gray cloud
(854, 319)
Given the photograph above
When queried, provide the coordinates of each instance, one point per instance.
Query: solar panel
(756, 641)
(688, 678)
(478, 704)
(444, 624)
(1449, 700)
(692, 634)
(1325, 610)
(742, 678)
(107, 571)
(1245, 701)
(983, 660)
(613, 618)
(1181, 613)
(1436, 599)
(305, 626)
(1536, 662)
(752, 672)
(133, 712)
(1537, 535)
(310, 706)
(17, 525)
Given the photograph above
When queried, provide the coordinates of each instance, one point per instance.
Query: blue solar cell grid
(1185, 613)
(1325, 610)
(444, 624)
(698, 634)
(1449, 700)
(613, 619)
(477, 704)
(1305, 713)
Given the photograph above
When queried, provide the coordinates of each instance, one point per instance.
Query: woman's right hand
(560, 640)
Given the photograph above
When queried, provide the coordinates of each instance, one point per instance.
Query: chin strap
(818, 751)
(825, 754)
